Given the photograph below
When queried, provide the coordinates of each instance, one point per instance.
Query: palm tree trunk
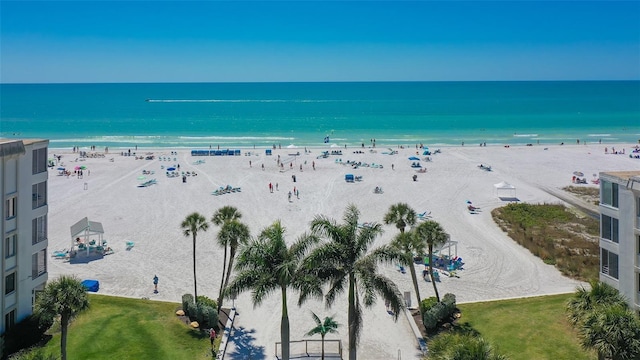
(433, 280)
(222, 285)
(284, 326)
(322, 347)
(353, 327)
(412, 269)
(232, 255)
(195, 281)
(64, 326)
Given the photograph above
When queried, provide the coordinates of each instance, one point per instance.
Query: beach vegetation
(431, 233)
(232, 235)
(205, 311)
(191, 226)
(438, 313)
(221, 217)
(589, 194)
(63, 298)
(604, 321)
(555, 234)
(346, 262)
(462, 346)
(323, 327)
(266, 265)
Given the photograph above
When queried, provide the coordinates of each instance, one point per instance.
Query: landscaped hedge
(438, 313)
(205, 312)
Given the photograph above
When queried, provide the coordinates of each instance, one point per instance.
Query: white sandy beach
(495, 266)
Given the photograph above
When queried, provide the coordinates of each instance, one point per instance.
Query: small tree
(433, 235)
(328, 325)
(66, 297)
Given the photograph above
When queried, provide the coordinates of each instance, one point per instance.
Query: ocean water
(199, 115)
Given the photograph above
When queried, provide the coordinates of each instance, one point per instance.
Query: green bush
(427, 304)
(24, 334)
(186, 300)
(212, 321)
(35, 354)
(203, 300)
(439, 312)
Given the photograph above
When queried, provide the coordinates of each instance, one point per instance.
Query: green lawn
(527, 328)
(121, 328)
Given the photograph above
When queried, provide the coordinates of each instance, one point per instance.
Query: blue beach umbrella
(413, 158)
(61, 169)
(171, 169)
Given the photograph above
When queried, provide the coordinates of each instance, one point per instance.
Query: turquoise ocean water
(197, 115)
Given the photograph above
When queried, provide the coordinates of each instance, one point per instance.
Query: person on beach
(270, 187)
(289, 196)
(276, 186)
(155, 284)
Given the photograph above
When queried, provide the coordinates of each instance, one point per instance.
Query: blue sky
(215, 41)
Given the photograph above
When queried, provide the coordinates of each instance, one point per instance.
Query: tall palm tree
(585, 301)
(613, 331)
(232, 233)
(401, 215)
(433, 235)
(266, 265)
(345, 261)
(222, 216)
(323, 327)
(67, 297)
(408, 243)
(191, 225)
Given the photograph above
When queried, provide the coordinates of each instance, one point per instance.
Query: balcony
(39, 237)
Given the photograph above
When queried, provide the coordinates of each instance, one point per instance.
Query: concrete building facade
(23, 255)
(620, 233)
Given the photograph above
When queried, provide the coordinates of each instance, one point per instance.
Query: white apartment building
(23, 186)
(620, 233)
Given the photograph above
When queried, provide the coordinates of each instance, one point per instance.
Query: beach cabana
(503, 187)
(86, 231)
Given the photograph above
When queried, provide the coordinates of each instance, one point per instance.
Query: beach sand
(495, 266)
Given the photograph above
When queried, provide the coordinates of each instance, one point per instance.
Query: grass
(527, 328)
(588, 194)
(122, 328)
(554, 234)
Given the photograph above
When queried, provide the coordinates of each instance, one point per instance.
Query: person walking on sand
(289, 196)
(155, 284)
(270, 187)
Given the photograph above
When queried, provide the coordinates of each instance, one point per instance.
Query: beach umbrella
(61, 169)
(291, 146)
(83, 167)
(171, 169)
(413, 158)
(578, 173)
(141, 177)
(76, 168)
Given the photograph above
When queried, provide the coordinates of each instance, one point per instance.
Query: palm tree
(585, 301)
(222, 216)
(613, 331)
(232, 233)
(266, 265)
(191, 226)
(402, 215)
(327, 326)
(433, 235)
(67, 297)
(345, 261)
(408, 244)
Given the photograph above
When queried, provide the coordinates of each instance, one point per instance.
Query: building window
(10, 283)
(39, 193)
(10, 245)
(39, 263)
(609, 263)
(609, 194)
(609, 228)
(11, 209)
(39, 160)
(39, 229)
(9, 320)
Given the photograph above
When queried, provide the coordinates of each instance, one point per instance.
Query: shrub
(427, 304)
(35, 354)
(439, 312)
(186, 300)
(212, 321)
(26, 333)
(203, 300)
